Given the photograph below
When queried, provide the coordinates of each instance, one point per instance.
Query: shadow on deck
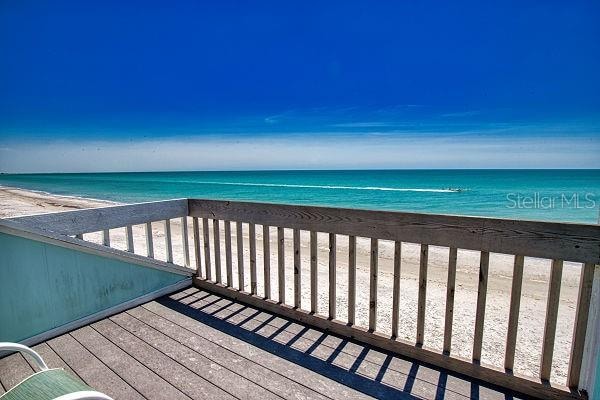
(194, 344)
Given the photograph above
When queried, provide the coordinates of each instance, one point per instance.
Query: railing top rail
(95, 219)
(18, 228)
(554, 240)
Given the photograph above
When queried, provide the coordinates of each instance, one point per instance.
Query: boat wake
(333, 187)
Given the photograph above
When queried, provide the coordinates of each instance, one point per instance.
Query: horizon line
(303, 170)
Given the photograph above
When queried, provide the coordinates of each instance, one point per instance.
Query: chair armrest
(7, 346)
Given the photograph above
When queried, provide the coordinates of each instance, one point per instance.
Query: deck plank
(224, 351)
(51, 359)
(332, 350)
(149, 384)
(311, 379)
(194, 344)
(93, 372)
(419, 377)
(171, 370)
(242, 378)
(13, 369)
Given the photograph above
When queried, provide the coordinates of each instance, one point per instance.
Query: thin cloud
(461, 114)
(272, 120)
(373, 124)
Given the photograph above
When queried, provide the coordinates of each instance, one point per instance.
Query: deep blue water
(558, 195)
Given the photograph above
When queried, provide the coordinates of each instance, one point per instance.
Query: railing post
(396, 287)
(581, 320)
(590, 362)
(149, 242)
(484, 262)
(297, 270)
(314, 273)
(206, 237)
(217, 245)
(551, 316)
(267, 261)
(332, 275)
(351, 280)
(129, 238)
(106, 237)
(228, 261)
(281, 263)
(513, 314)
(450, 287)
(252, 239)
(373, 275)
(197, 255)
(185, 241)
(239, 235)
(168, 242)
(422, 293)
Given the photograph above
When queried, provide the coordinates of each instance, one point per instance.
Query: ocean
(551, 195)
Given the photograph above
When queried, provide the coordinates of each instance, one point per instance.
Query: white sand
(14, 202)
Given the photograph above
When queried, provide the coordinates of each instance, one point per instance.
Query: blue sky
(299, 85)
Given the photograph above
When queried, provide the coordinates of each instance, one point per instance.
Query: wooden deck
(197, 345)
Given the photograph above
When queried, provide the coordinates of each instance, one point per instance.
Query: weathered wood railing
(555, 241)
(107, 220)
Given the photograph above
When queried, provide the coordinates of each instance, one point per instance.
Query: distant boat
(458, 190)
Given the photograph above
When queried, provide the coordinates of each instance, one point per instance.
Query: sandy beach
(16, 202)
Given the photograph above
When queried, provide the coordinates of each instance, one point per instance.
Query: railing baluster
(252, 239)
(149, 242)
(484, 262)
(422, 293)
(168, 242)
(297, 270)
(396, 288)
(217, 245)
(332, 275)
(281, 263)
(581, 320)
(351, 280)
(551, 317)
(228, 261)
(106, 237)
(239, 235)
(185, 241)
(206, 236)
(314, 273)
(197, 255)
(267, 260)
(129, 238)
(450, 287)
(513, 314)
(373, 274)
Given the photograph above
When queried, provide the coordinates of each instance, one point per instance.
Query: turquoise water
(557, 195)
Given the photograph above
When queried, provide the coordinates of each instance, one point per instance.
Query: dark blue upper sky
(106, 64)
(159, 69)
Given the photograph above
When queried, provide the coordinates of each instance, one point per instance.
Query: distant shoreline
(18, 201)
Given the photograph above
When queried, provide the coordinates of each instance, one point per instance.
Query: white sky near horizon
(326, 152)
